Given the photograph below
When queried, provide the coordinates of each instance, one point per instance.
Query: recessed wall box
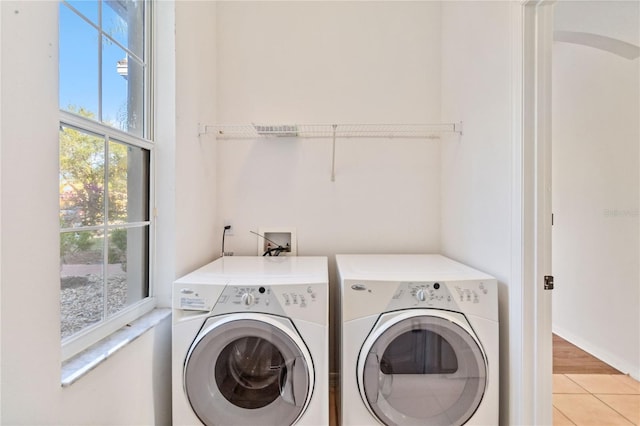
(272, 238)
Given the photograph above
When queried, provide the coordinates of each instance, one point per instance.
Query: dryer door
(247, 370)
(422, 367)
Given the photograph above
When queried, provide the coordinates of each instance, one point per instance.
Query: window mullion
(125, 225)
(125, 49)
(148, 75)
(105, 246)
(84, 124)
(100, 61)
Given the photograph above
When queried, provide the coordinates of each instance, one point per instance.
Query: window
(105, 168)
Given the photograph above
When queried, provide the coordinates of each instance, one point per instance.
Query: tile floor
(595, 399)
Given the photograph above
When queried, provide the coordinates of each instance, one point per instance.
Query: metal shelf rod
(386, 131)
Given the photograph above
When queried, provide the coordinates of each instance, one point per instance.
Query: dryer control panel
(470, 296)
(429, 294)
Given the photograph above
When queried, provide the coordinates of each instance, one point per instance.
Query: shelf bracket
(458, 128)
(333, 155)
(202, 129)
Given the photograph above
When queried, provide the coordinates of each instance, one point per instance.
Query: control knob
(421, 295)
(248, 299)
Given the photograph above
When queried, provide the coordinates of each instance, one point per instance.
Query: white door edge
(529, 392)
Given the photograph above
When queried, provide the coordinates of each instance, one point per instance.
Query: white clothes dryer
(250, 342)
(419, 342)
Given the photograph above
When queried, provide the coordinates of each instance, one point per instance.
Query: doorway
(595, 134)
(595, 137)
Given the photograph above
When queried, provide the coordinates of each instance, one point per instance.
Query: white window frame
(76, 343)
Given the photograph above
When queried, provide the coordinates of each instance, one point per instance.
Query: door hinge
(548, 282)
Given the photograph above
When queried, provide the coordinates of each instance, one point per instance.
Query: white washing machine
(250, 342)
(419, 342)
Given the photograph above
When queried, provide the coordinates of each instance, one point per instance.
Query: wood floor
(333, 412)
(570, 359)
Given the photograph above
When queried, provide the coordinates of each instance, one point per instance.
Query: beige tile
(627, 405)
(560, 419)
(628, 380)
(563, 384)
(602, 383)
(587, 410)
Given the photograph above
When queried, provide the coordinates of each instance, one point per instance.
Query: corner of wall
(165, 140)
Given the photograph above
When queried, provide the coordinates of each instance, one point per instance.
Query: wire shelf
(387, 131)
(330, 131)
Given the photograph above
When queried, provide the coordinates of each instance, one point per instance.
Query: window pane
(124, 21)
(122, 89)
(81, 178)
(78, 65)
(128, 183)
(81, 280)
(128, 276)
(88, 8)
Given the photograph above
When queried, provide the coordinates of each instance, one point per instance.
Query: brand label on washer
(195, 303)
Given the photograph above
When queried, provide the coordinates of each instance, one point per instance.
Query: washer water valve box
(272, 238)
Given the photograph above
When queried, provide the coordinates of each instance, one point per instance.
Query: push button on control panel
(299, 300)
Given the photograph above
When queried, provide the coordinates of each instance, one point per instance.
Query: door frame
(530, 339)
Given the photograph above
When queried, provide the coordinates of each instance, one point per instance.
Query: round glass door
(247, 372)
(422, 370)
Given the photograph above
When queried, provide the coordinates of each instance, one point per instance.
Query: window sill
(77, 366)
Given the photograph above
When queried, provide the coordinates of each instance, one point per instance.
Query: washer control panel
(471, 294)
(293, 300)
(301, 297)
(245, 296)
(308, 301)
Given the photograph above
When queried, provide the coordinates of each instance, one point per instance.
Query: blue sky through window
(79, 63)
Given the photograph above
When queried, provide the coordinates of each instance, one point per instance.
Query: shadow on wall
(162, 373)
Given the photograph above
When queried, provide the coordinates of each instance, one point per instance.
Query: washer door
(422, 367)
(247, 370)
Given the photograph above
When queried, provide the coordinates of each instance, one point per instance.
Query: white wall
(133, 386)
(596, 138)
(186, 162)
(477, 168)
(330, 62)
(195, 157)
(30, 270)
(1, 215)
